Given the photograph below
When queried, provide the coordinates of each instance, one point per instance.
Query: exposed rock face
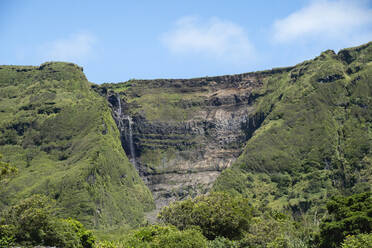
(180, 157)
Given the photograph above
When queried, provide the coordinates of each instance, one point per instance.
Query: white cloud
(213, 38)
(337, 20)
(74, 48)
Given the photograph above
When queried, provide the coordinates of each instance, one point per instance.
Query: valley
(285, 141)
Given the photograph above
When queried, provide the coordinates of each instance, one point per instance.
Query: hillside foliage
(61, 137)
(315, 141)
(217, 215)
(33, 221)
(302, 179)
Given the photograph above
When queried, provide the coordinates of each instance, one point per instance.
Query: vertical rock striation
(180, 134)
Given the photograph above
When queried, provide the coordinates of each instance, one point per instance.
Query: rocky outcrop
(181, 158)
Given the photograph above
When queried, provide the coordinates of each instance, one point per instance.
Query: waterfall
(131, 146)
(121, 127)
(119, 108)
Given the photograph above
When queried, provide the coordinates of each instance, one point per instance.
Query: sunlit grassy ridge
(61, 136)
(158, 102)
(316, 138)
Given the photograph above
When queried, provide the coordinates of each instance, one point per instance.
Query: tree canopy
(6, 169)
(33, 221)
(217, 214)
(347, 216)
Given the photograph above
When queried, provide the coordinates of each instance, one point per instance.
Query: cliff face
(286, 138)
(290, 137)
(181, 134)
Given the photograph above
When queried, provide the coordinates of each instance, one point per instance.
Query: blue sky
(119, 40)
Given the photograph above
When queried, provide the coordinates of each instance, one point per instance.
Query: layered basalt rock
(181, 157)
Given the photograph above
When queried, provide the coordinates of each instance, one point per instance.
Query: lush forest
(139, 164)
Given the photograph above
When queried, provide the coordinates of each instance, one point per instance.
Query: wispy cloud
(332, 20)
(213, 38)
(74, 48)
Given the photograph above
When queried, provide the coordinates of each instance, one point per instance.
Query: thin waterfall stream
(130, 131)
(119, 108)
(131, 146)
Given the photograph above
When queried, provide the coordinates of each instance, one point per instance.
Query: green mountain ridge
(61, 136)
(316, 139)
(287, 138)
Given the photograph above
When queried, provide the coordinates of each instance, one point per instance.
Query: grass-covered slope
(316, 138)
(62, 138)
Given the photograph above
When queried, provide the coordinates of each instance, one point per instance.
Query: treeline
(217, 220)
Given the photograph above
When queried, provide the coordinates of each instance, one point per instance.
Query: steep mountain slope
(294, 135)
(287, 138)
(316, 138)
(61, 136)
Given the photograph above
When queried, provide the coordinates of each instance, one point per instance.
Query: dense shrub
(348, 216)
(221, 242)
(358, 241)
(156, 236)
(6, 170)
(217, 214)
(6, 235)
(33, 222)
(273, 229)
(106, 244)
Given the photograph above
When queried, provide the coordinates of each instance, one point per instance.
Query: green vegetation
(33, 222)
(349, 225)
(216, 215)
(165, 237)
(348, 216)
(315, 141)
(158, 236)
(273, 229)
(214, 221)
(61, 137)
(157, 103)
(160, 105)
(358, 241)
(231, 222)
(62, 158)
(6, 170)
